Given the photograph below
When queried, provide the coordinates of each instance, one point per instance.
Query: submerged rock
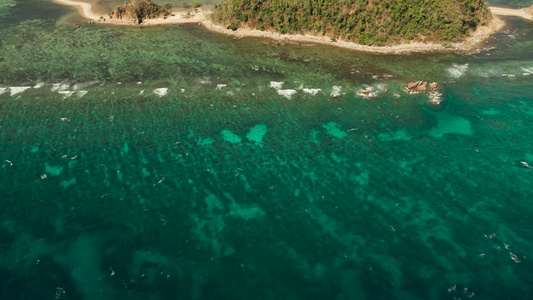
(368, 92)
(371, 92)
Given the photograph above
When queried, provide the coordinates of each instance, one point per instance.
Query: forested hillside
(139, 10)
(369, 22)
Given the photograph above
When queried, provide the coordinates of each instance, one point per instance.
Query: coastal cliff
(367, 22)
(138, 11)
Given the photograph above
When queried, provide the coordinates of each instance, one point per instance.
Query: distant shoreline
(201, 16)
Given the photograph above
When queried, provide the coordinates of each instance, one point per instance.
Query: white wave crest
(59, 87)
(3, 90)
(311, 91)
(336, 91)
(457, 71)
(82, 93)
(276, 84)
(66, 94)
(221, 86)
(38, 85)
(161, 92)
(18, 89)
(287, 93)
(527, 70)
(368, 92)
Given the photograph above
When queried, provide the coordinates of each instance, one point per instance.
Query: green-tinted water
(173, 163)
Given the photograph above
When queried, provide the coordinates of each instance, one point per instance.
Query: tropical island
(373, 22)
(380, 26)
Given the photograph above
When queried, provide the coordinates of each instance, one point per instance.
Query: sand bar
(519, 12)
(85, 9)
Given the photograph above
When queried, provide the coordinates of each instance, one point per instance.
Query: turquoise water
(173, 163)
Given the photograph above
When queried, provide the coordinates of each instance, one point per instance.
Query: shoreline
(85, 9)
(518, 12)
(472, 44)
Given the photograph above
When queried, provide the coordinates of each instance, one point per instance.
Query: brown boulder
(422, 87)
(412, 85)
(434, 86)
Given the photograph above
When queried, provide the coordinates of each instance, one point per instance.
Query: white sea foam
(18, 89)
(83, 85)
(368, 92)
(381, 87)
(527, 70)
(457, 71)
(435, 97)
(182, 90)
(81, 93)
(508, 75)
(66, 94)
(287, 93)
(59, 87)
(2, 90)
(38, 85)
(336, 91)
(311, 91)
(221, 86)
(276, 84)
(141, 92)
(161, 92)
(139, 82)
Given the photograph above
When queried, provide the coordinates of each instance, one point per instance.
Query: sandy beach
(500, 11)
(471, 44)
(85, 9)
(201, 16)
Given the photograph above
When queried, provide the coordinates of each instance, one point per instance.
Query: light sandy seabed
(201, 16)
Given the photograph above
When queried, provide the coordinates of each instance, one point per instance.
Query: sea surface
(174, 163)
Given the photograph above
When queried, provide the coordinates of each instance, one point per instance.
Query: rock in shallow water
(431, 89)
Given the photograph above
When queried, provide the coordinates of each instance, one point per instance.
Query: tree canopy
(369, 22)
(139, 10)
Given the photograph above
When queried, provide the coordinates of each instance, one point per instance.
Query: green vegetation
(5, 5)
(369, 22)
(140, 10)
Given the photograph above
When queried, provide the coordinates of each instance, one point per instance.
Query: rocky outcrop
(370, 92)
(138, 11)
(432, 90)
(421, 87)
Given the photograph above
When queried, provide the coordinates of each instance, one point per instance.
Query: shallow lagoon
(223, 188)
